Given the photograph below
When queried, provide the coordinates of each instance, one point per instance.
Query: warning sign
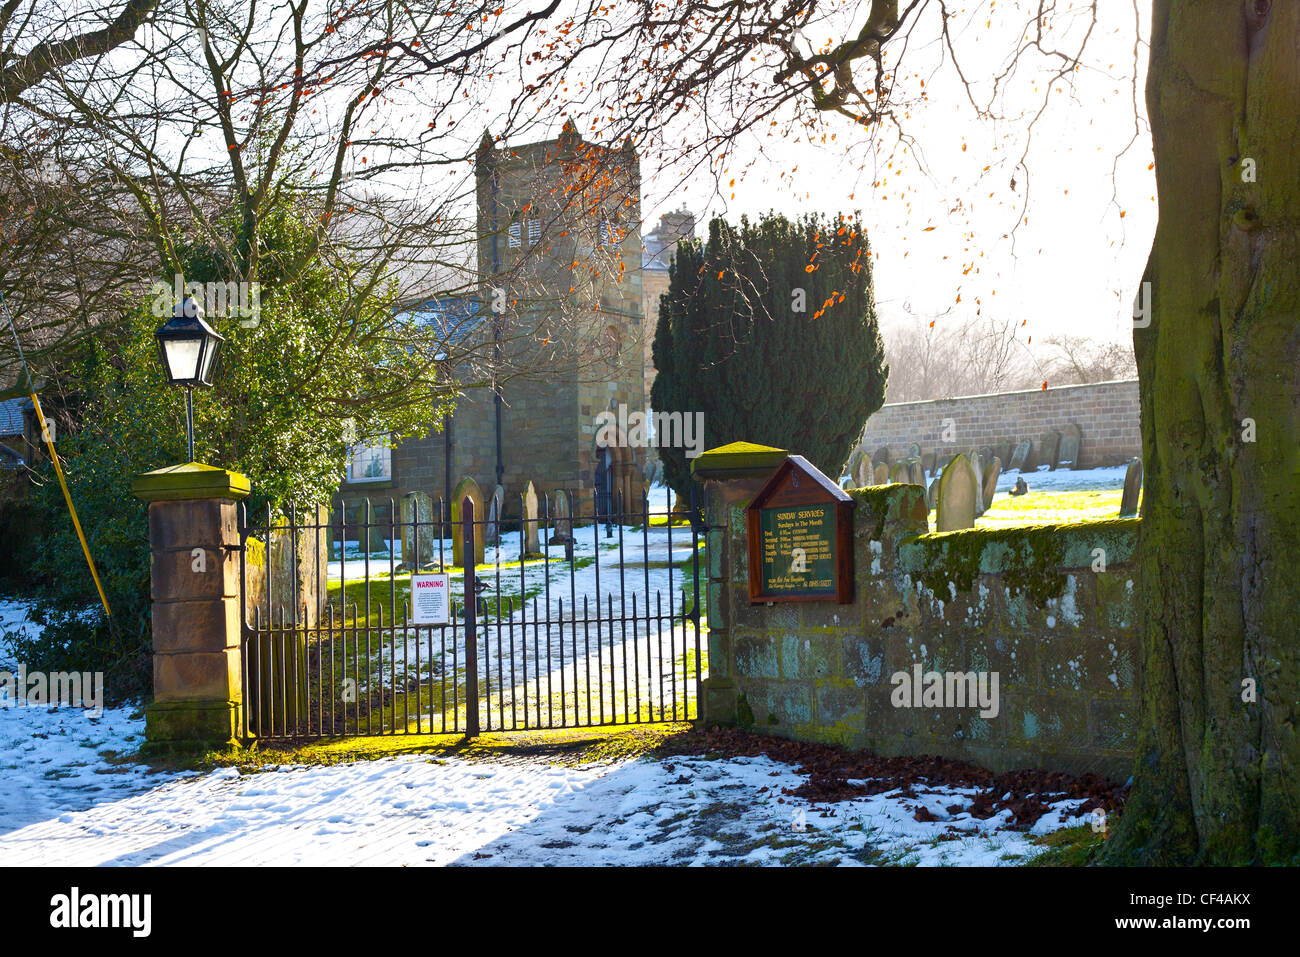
(431, 599)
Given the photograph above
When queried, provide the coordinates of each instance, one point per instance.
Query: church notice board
(799, 531)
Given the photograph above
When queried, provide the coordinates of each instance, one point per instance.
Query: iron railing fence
(599, 626)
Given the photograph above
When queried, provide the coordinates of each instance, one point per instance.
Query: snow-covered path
(415, 810)
(64, 802)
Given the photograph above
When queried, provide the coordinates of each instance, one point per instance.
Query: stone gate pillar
(731, 476)
(194, 562)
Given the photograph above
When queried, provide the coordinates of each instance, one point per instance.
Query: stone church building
(559, 260)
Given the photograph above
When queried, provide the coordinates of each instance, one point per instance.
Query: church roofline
(568, 140)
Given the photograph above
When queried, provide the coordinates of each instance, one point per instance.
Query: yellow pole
(67, 497)
(54, 457)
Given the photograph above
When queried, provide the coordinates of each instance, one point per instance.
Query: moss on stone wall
(878, 507)
(1060, 639)
(1031, 559)
(872, 507)
(744, 713)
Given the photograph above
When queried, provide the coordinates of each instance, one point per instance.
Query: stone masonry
(194, 557)
(1107, 413)
(1030, 604)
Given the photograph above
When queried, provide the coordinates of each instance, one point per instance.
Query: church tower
(559, 259)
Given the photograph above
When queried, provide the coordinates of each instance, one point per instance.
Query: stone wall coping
(736, 460)
(992, 551)
(190, 481)
(1019, 392)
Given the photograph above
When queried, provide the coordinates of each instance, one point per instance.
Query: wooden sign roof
(795, 482)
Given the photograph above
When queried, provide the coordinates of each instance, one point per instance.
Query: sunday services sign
(800, 537)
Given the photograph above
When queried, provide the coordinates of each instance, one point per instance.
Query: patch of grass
(390, 593)
(905, 856)
(1037, 508)
(1068, 847)
(573, 746)
(662, 521)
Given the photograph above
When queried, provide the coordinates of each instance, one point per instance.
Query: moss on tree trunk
(1217, 778)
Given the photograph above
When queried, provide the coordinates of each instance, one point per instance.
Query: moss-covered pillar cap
(737, 460)
(190, 481)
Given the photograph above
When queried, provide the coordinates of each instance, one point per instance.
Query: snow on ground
(13, 617)
(64, 806)
(1065, 480)
(68, 798)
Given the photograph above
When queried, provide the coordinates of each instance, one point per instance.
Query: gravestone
(492, 533)
(882, 473)
(1003, 450)
(1128, 503)
(851, 466)
(914, 451)
(492, 530)
(866, 473)
(417, 509)
(1020, 457)
(932, 494)
(986, 454)
(295, 572)
(680, 511)
(977, 466)
(531, 544)
(916, 473)
(927, 463)
(991, 473)
(882, 455)
(900, 473)
(1067, 455)
(958, 493)
(1047, 449)
(561, 518)
(466, 488)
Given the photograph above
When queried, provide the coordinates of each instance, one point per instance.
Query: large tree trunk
(1217, 778)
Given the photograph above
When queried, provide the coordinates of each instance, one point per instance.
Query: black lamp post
(188, 347)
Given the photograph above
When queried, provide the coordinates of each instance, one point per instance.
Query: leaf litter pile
(834, 775)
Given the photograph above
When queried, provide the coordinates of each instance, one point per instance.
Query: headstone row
(418, 507)
(1056, 449)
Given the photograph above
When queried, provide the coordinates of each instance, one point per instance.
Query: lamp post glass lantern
(188, 348)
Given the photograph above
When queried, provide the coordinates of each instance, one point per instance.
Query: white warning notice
(431, 599)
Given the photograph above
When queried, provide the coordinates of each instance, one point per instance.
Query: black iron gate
(570, 625)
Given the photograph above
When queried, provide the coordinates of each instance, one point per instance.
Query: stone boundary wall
(1106, 412)
(1023, 602)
